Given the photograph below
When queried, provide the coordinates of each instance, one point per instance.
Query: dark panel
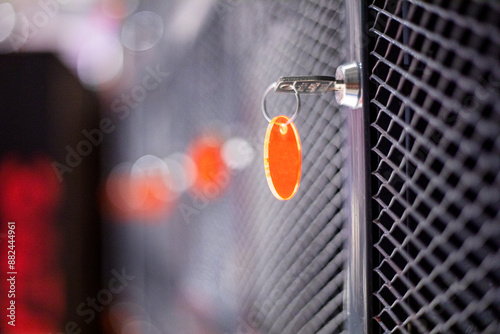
(43, 109)
(23, 100)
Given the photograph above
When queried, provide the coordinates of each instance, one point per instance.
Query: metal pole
(358, 242)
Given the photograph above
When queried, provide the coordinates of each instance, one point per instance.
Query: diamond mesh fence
(292, 251)
(435, 125)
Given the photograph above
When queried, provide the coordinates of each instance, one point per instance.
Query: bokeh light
(30, 195)
(212, 174)
(141, 190)
(237, 153)
(7, 20)
(119, 9)
(142, 31)
(183, 171)
(28, 186)
(100, 60)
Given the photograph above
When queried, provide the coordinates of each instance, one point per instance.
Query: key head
(306, 84)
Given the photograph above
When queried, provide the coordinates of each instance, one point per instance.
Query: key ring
(264, 109)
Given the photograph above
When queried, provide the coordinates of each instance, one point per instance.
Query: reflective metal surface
(313, 84)
(358, 266)
(350, 94)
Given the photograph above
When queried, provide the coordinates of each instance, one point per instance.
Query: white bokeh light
(142, 31)
(149, 163)
(183, 171)
(237, 153)
(7, 20)
(100, 60)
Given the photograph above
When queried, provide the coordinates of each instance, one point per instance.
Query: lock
(350, 95)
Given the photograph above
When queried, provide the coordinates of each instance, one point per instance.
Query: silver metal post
(358, 230)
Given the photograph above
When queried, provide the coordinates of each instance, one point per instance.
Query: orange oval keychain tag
(282, 158)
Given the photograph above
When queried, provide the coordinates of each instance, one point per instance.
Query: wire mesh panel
(292, 251)
(435, 125)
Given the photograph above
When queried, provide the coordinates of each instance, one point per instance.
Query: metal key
(346, 84)
(311, 84)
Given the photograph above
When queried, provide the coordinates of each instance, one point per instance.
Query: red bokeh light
(212, 174)
(29, 196)
(146, 195)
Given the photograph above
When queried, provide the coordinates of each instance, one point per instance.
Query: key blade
(308, 84)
